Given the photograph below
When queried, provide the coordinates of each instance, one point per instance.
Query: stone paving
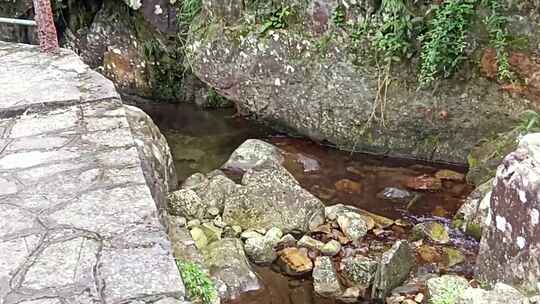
(78, 223)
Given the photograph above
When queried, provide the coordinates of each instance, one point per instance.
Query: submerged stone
(395, 194)
(434, 231)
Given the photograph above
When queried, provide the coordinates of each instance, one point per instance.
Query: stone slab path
(77, 221)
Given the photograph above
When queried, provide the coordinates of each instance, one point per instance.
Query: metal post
(48, 40)
(25, 22)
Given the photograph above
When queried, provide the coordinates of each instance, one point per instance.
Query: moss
(198, 284)
(474, 230)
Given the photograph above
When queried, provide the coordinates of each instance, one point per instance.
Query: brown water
(202, 141)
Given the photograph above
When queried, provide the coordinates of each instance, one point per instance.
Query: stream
(202, 140)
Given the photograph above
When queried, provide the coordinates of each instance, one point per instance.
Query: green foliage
(530, 122)
(392, 38)
(187, 10)
(338, 17)
(445, 41)
(166, 74)
(277, 19)
(498, 36)
(215, 100)
(198, 285)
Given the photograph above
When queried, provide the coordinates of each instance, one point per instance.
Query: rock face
(306, 78)
(79, 223)
(393, 269)
(271, 197)
(251, 153)
(471, 216)
(446, 289)
(500, 294)
(510, 246)
(229, 266)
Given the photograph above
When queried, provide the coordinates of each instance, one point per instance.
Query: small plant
(188, 9)
(198, 285)
(338, 17)
(277, 20)
(444, 43)
(215, 100)
(530, 122)
(496, 25)
(392, 37)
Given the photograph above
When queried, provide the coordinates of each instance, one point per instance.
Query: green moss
(448, 294)
(198, 284)
(474, 230)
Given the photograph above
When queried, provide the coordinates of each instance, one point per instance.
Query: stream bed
(202, 140)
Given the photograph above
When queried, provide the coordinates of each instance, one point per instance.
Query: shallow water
(202, 140)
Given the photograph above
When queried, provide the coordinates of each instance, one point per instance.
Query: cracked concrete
(78, 221)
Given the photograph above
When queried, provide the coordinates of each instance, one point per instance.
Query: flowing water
(202, 140)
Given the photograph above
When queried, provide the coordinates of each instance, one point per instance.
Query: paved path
(77, 220)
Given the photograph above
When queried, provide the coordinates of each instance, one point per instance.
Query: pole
(48, 40)
(18, 21)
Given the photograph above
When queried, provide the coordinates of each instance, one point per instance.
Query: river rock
(348, 186)
(471, 216)
(434, 231)
(510, 246)
(271, 197)
(199, 237)
(230, 269)
(331, 248)
(187, 203)
(446, 174)
(500, 294)
(294, 261)
(423, 182)
(446, 289)
(212, 190)
(252, 153)
(359, 270)
(261, 250)
(395, 194)
(353, 225)
(393, 269)
(287, 240)
(332, 213)
(325, 278)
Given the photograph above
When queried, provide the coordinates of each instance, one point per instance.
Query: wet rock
(261, 250)
(325, 279)
(471, 216)
(449, 175)
(294, 261)
(446, 289)
(423, 182)
(331, 248)
(332, 213)
(359, 271)
(393, 269)
(310, 243)
(271, 197)
(500, 294)
(511, 238)
(353, 225)
(395, 194)
(348, 186)
(230, 269)
(252, 153)
(434, 231)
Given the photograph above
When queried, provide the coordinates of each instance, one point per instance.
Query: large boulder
(500, 294)
(271, 197)
(510, 246)
(471, 216)
(310, 77)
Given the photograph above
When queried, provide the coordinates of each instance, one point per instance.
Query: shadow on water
(202, 140)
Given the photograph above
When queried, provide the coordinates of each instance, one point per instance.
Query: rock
(446, 289)
(440, 212)
(310, 243)
(449, 175)
(434, 231)
(393, 269)
(260, 73)
(395, 194)
(351, 295)
(213, 190)
(332, 213)
(353, 226)
(331, 248)
(325, 278)
(250, 234)
(212, 232)
(261, 250)
(252, 153)
(471, 216)
(287, 241)
(453, 256)
(229, 232)
(359, 271)
(193, 223)
(187, 203)
(511, 238)
(348, 186)
(294, 261)
(271, 197)
(500, 294)
(309, 164)
(230, 269)
(199, 237)
(423, 182)
(429, 254)
(213, 211)
(218, 222)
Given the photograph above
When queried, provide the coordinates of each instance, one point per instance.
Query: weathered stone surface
(79, 223)
(359, 271)
(510, 246)
(325, 279)
(306, 78)
(433, 231)
(271, 197)
(393, 269)
(294, 261)
(230, 267)
(471, 216)
(500, 294)
(447, 288)
(353, 225)
(251, 153)
(261, 249)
